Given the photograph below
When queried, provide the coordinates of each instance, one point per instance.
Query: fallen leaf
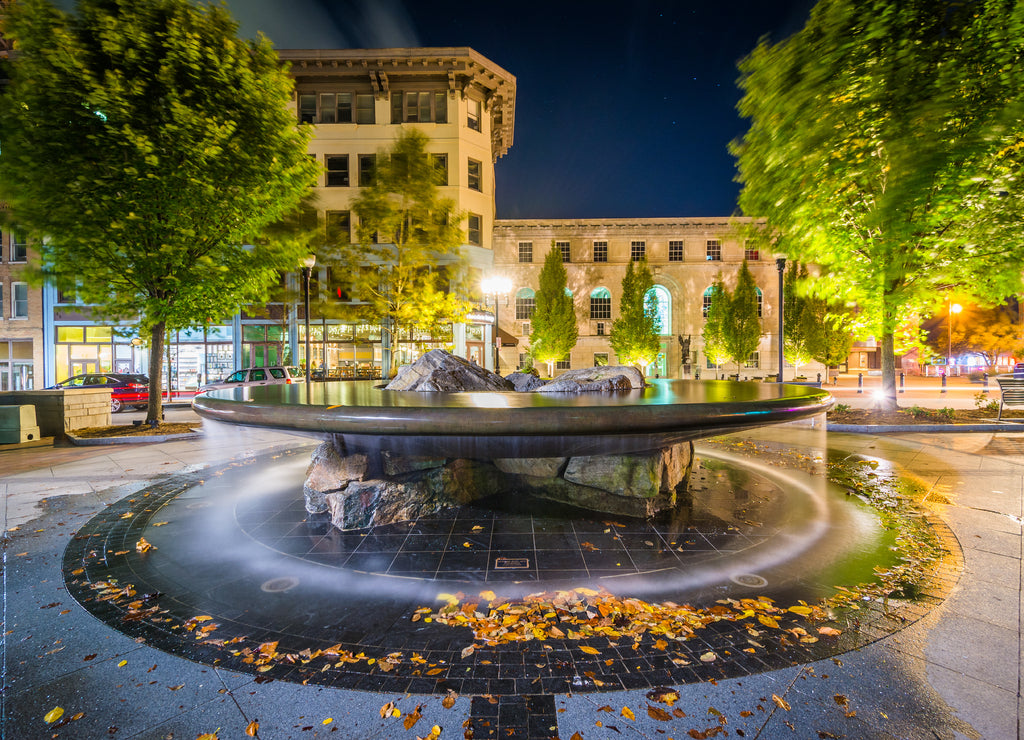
(449, 701)
(327, 721)
(829, 631)
(658, 713)
(412, 717)
(663, 695)
(708, 657)
(77, 716)
(143, 546)
(576, 736)
(487, 595)
(589, 650)
(627, 713)
(53, 715)
(780, 702)
(252, 728)
(841, 700)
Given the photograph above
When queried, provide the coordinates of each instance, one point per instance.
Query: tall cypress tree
(715, 324)
(553, 331)
(634, 335)
(743, 329)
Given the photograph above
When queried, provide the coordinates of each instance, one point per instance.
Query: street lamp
(307, 268)
(954, 308)
(497, 286)
(780, 264)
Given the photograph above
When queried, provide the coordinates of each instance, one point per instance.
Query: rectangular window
(367, 169)
(600, 251)
(19, 247)
(419, 107)
(307, 108)
(714, 250)
(19, 302)
(337, 170)
(563, 364)
(339, 227)
(473, 117)
(637, 250)
(601, 308)
(675, 251)
(364, 109)
(440, 162)
(600, 359)
(751, 253)
(563, 247)
(475, 177)
(526, 329)
(526, 251)
(475, 230)
(599, 328)
(335, 108)
(754, 361)
(525, 306)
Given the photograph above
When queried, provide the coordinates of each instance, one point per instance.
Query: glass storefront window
(252, 333)
(219, 333)
(191, 335)
(70, 333)
(98, 333)
(275, 333)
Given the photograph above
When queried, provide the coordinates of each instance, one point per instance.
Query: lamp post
(497, 286)
(780, 264)
(954, 308)
(307, 268)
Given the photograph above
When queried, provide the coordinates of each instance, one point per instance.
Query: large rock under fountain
(361, 488)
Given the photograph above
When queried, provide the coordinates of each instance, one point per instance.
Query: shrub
(985, 403)
(946, 413)
(841, 408)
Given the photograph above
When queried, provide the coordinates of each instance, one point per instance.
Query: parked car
(1018, 370)
(257, 376)
(126, 389)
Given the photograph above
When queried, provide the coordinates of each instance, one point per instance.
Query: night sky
(622, 109)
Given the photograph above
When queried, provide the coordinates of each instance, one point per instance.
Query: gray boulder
(589, 379)
(439, 370)
(524, 382)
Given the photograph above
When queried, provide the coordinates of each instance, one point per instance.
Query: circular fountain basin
(509, 424)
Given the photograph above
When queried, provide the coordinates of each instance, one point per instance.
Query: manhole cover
(749, 579)
(279, 585)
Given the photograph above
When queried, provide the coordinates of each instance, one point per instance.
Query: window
(563, 364)
(637, 250)
(526, 329)
(419, 107)
(367, 169)
(675, 251)
(600, 304)
(709, 296)
(475, 178)
(307, 108)
(526, 251)
(19, 247)
(440, 162)
(337, 170)
(600, 251)
(526, 304)
(335, 107)
(259, 374)
(365, 109)
(19, 300)
(714, 250)
(754, 361)
(475, 229)
(339, 227)
(751, 253)
(663, 311)
(563, 247)
(600, 359)
(760, 302)
(473, 114)
(599, 328)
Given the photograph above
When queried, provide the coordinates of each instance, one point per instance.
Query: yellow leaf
(628, 713)
(801, 610)
(396, 712)
(780, 701)
(53, 715)
(589, 650)
(487, 595)
(208, 736)
(708, 657)
(327, 721)
(122, 664)
(829, 631)
(252, 728)
(767, 621)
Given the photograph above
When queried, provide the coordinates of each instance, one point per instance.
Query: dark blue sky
(622, 109)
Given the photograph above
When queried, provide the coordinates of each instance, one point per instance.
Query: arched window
(760, 302)
(600, 304)
(709, 294)
(664, 313)
(526, 304)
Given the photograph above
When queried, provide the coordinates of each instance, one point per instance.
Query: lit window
(714, 250)
(19, 304)
(760, 302)
(526, 251)
(637, 250)
(473, 114)
(563, 247)
(664, 310)
(475, 229)
(600, 251)
(600, 304)
(474, 181)
(709, 296)
(753, 361)
(675, 251)
(526, 304)
(337, 170)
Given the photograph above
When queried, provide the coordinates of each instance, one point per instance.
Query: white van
(257, 376)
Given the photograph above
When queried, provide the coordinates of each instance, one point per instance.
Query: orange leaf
(590, 650)
(829, 631)
(53, 715)
(412, 718)
(780, 701)
(627, 713)
(658, 714)
(252, 728)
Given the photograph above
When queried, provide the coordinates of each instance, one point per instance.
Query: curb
(924, 428)
(140, 439)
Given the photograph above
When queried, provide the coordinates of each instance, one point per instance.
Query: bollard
(984, 382)
(943, 383)
(901, 382)
(819, 378)
(860, 382)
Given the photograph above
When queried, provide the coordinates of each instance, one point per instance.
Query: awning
(506, 339)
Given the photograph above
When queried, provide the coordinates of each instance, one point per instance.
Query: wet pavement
(944, 666)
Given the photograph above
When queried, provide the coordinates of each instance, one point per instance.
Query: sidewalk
(955, 673)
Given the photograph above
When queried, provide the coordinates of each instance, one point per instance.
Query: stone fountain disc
(510, 424)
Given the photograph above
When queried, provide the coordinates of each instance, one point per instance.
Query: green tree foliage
(815, 328)
(406, 265)
(743, 328)
(886, 140)
(553, 328)
(635, 334)
(143, 145)
(988, 332)
(794, 307)
(716, 324)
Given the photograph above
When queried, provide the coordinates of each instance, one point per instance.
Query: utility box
(18, 424)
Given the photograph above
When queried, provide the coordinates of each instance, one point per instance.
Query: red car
(126, 389)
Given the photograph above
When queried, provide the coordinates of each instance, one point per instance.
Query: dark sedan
(126, 389)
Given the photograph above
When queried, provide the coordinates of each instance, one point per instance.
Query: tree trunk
(888, 400)
(155, 409)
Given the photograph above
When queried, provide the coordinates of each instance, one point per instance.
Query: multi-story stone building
(21, 317)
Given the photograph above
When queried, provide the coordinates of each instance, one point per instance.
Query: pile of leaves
(842, 414)
(141, 430)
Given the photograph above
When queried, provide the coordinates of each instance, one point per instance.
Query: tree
(828, 331)
(407, 263)
(716, 321)
(743, 327)
(885, 141)
(144, 148)
(635, 334)
(986, 332)
(796, 326)
(553, 328)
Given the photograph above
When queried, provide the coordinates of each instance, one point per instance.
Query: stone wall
(63, 410)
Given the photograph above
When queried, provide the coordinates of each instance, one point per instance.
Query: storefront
(16, 365)
(97, 349)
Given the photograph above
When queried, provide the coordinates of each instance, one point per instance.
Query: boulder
(590, 379)
(439, 370)
(329, 470)
(524, 382)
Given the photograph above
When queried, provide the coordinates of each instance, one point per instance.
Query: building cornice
(615, 224)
